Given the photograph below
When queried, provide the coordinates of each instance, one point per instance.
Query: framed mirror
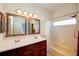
(1, 22)
(33, 26)
(16, 24)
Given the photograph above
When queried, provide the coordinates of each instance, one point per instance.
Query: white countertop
(9, 42)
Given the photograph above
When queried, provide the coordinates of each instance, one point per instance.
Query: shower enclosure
(61, 33)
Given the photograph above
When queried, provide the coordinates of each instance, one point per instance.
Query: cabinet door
(37, 52)
(43, 52)
(40, 49)
(24, 54)
(43, 49)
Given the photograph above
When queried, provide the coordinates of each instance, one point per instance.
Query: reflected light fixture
(34, 15)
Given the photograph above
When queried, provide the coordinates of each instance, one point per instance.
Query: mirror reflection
(34, 26)
(16, 25)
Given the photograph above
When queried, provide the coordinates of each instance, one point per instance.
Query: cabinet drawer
(43, 52)
(42, 44)
(26, 49)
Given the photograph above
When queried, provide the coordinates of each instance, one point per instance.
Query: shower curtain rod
(66, 15)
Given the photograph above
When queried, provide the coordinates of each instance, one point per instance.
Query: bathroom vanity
(21, 37)
(35, 49)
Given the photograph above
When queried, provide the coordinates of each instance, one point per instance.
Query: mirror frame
(39, 26)
(7, 17)
(1, 22)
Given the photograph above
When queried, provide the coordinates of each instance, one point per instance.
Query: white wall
(64, 33)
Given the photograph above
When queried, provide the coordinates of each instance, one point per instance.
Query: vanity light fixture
(25, 13)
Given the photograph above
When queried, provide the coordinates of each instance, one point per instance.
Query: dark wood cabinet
(78, 45)
(9, 53)
(36, 49)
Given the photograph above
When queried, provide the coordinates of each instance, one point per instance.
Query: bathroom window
(71, 21)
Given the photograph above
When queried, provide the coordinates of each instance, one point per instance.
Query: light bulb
(19, 11)
(34, 15)
(25, 13)
(30, 14)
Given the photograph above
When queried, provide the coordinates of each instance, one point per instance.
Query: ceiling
(51, 6)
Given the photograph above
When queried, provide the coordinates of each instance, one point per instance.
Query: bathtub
(60, 50)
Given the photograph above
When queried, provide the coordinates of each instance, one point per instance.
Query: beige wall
(64, 33)
(1, 7)
(65, 9)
